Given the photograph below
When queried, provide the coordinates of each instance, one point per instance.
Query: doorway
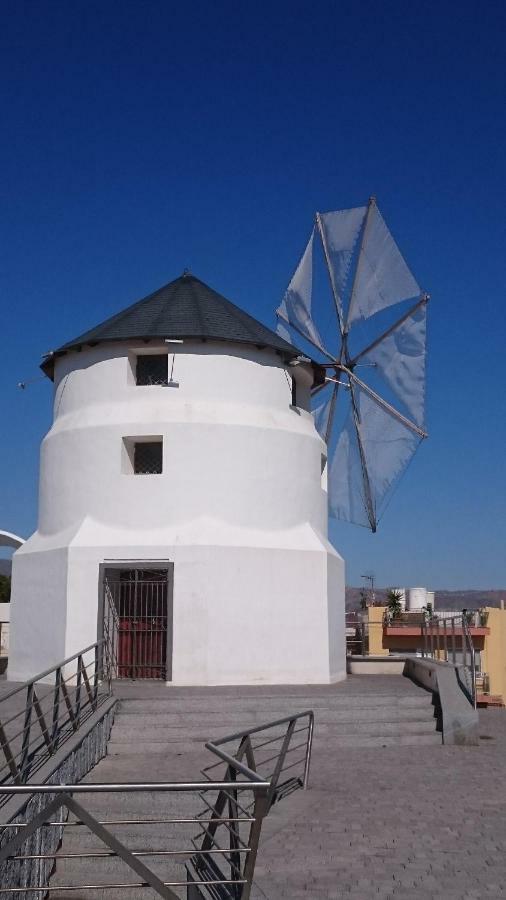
(138, 621)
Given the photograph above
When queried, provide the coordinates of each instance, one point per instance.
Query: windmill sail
(339, 233)
(382, 276)
(383, 380)
(399, 358)
(295, 308)
(384, 452)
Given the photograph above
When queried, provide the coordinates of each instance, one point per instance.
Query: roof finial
(186, 272)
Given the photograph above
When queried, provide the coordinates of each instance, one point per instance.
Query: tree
(5, 589)
(394, 603)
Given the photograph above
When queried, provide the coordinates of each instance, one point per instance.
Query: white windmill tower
(183, 453)
(371, 344)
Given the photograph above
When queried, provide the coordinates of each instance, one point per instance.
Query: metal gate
(136, 618)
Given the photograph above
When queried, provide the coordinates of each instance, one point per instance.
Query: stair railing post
(56, 708)
(78, 690)
(96, 677)
(259, 811)
(27, 726)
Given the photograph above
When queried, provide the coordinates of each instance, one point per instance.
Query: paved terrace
(390, 812)
(394, 822)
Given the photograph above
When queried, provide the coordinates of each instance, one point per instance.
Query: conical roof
(184, 308)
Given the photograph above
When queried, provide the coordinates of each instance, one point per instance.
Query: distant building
(183, 484)
(382, 636)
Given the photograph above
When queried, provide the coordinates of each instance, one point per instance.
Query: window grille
(148, 458)
(152, 369)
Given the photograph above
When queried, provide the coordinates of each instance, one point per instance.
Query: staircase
(159, 734)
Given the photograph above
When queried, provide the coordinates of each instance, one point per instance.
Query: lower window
(143, 455)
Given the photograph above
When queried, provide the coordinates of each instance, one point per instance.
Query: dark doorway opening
(138, 621)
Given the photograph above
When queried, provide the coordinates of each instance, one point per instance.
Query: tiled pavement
(418, 823)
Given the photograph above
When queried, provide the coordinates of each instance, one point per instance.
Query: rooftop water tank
(417, 599)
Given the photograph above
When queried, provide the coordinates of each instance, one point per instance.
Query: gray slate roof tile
(184, 308)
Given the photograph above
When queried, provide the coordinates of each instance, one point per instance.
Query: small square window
(148, 457)
(294, 392)
(151, 369)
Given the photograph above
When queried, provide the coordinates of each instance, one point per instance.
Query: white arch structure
(7, 539)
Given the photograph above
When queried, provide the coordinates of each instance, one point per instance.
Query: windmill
(369, 339)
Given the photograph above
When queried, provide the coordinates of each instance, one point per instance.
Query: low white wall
(38, 612)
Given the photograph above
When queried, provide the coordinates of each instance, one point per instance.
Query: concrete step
(236, 721)
(279, 704)
(159, 734)
(400, 740)
(140, 804)
(143, 732)
(81, 873)
(135, 837)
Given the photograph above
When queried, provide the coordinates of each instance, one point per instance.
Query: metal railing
(267, 761)
(356, 629)
(404, 619)
(273, 750)
(37, 717)
(217, 863)
(450, 640)
(221, 865)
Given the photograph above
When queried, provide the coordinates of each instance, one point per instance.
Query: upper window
(151, 369)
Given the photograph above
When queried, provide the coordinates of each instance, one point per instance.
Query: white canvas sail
(368, 462)
(382, 275)
(383, 382)
(340, 231)
(296, 307)
(399, 359)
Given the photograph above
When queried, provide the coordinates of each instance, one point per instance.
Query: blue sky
(140, 138)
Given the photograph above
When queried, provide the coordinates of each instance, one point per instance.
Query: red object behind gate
(141, 649)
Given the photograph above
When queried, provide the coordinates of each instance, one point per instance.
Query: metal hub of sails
(371, 344)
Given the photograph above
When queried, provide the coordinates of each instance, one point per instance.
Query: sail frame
(360, 287)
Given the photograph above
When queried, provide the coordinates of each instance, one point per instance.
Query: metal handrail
(203, 869)
(206, 859)
(51, 714)
(278, 786)
(442, 637)
(472, 653)
(209, 860)
(46, 672)
(356, 644)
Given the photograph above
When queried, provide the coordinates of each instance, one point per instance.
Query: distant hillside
(5, 567)
(447, 600)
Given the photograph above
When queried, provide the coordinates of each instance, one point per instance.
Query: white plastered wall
(239, 509)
